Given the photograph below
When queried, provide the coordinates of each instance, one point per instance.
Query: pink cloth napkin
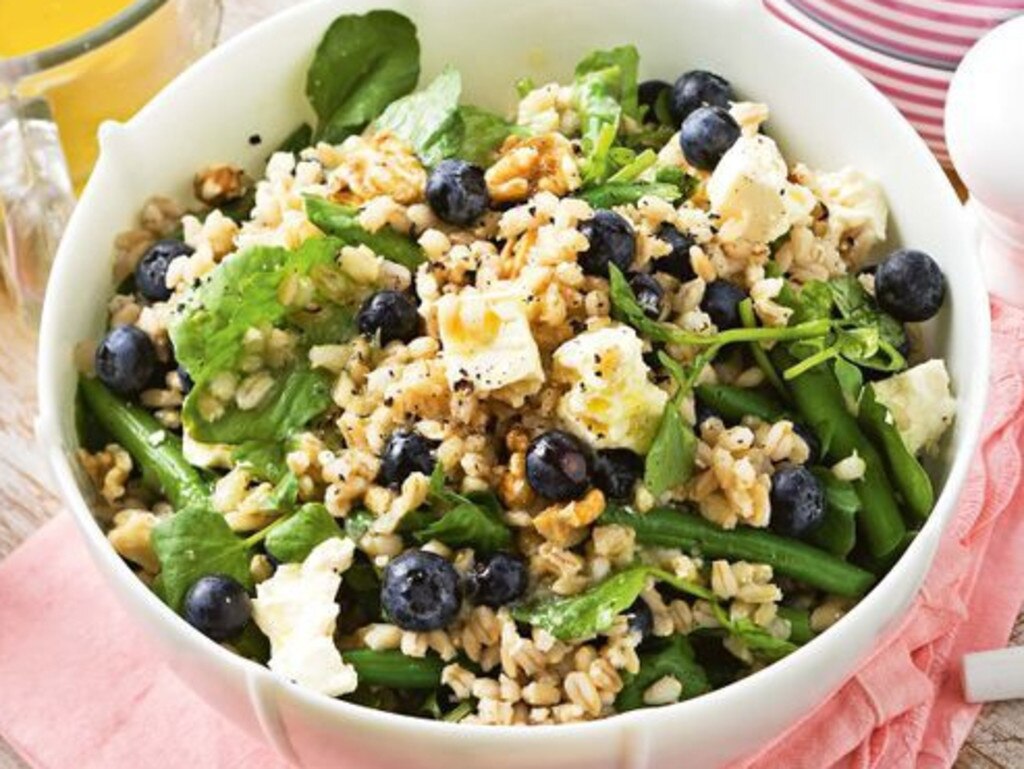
(80, 686)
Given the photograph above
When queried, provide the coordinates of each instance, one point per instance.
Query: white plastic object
(984, 125)
(994, 675)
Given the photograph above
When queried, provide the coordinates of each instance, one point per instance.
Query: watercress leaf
(582, 616)
(285, 494)
(196, 542)
(473, 523)
(813, 302)
(760, 642)
(363, 63)
(342, 222)
(670, 460)
(293, 539)
(672, 657)
(858, 308)
(264, 459)
(482, 134)
(429, 119)
(298, 396)
(837, 532)
(626, 60)
(357, 523)
(611, 194)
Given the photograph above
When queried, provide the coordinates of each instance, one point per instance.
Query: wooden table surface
(27, 498)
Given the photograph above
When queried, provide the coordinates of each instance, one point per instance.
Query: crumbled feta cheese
(297, 610)
(487, 342)
(920, 403)
(751, 194)
(855, 203)
(610, 402)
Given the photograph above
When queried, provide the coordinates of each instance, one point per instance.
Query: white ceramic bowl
(823, 113)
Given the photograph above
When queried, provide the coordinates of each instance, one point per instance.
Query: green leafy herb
(591, 612)
(625, 60)
(297, 140)
(605, 88)
(252, 644)
(295, 538)
(429, 119)
(197, 542)
(265, 460)
(670, 460)
(357, 523)
(670, 657)
(758, 640)
(837, 532)
(342, 222)
(613, 194)
(679, 178)
(469, 525)
(482, 134)
(363, 63)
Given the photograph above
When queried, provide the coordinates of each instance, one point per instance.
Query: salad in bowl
(515, 419)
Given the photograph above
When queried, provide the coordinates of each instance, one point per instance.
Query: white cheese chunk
(610, 402)
(487, 342)
(920, 403)
(296, 609)
(855, 203)
(750, 192)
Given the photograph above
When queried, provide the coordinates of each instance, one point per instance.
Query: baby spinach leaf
(363, 63)
(593, 611)
(613, 194)
(670, 460)
(470, 524)
(483, 133)
(342, 222)
(670, 657)
(196, 542)
(429, 119)
(294, 539)
(264, 459)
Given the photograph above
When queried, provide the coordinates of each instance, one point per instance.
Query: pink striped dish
(907, 48)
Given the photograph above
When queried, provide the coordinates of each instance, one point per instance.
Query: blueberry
(557, 466)
(217, 606)
(648, 93)
(797, 501)
(909, 285)
(616, 472)
(640, 617)
(457, 192)
(391, 313)
(186, 381)
(722, 303)
(695, 89)
(706, 135)
(420, 591)
(497, 580)
(611, 240)
(151, 271)
(648, 293)
(677, 262)
(126, 360)
(813, 444)
(405, 453)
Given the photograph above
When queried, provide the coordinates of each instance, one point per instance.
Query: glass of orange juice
(65, 67)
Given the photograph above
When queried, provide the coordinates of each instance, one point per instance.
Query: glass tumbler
(52, 101)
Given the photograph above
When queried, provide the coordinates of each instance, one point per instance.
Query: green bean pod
(799, 624)
(819, 399)
(912, 482)
(155, 451)
(837, 531)
(734, 403)
(394, 669)
(673, 527)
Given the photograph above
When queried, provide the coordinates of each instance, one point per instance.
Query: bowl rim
(969, 421)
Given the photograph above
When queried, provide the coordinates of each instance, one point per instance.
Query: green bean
(156, 451)
(799, 624)
(819, 399)
(746, 310)
(734, 403)
(910, 477)
(672, 527)
(343, 222)
(394, 669)
(837, 532)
